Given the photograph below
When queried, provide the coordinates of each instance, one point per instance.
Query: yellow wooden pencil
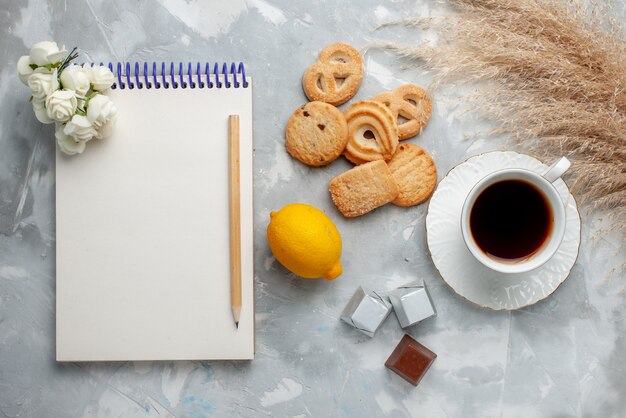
(235, 222)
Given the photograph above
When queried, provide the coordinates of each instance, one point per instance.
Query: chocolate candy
(410, 360)
(366, 311)
(412, 303)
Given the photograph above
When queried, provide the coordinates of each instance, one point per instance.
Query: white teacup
(543, 183)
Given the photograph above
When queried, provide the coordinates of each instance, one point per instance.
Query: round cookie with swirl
(411, 107)
(336, 76)
(372, 132)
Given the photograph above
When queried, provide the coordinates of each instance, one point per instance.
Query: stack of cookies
(368, 134)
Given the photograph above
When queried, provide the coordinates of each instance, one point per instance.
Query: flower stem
(70, 57)
(63, 64)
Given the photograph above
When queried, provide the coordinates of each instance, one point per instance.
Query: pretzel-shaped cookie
(336, 62)
(409, 102)
(372, 132)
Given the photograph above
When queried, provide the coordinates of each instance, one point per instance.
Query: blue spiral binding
(119, 76)
(225, 74)
(157, 85)
(219, 77)
(200, 83)
(137, 81)
(207, 73)
(233, 71)
(183, 84)
(163, 79)
(174, 84)
(216, 72)
(129, 83)
(191, 83)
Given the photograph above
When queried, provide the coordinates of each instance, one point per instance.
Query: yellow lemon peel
(305, 241)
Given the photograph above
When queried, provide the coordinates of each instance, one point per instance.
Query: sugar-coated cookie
(316, 134)
(411, 108)
(415, 173)
(372, 132)
(363, 188)
(336, 76)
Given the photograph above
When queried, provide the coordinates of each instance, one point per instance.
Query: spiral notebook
(142, 217)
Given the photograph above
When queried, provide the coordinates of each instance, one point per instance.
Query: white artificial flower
(61, 105)
(58, 56)
(101, 77)
(80, 128)
(67, 144)
(76, 78)
(40, 111)
(107, 129)
(102, 113)
(100, 109)
(43, 53)
(42, 83)
(23, 68)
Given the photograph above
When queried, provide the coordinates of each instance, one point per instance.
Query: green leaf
(33, 66)
(30, 99)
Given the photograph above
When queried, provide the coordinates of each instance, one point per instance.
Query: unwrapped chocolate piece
(412, 303)
(366, 311)
(410, 360)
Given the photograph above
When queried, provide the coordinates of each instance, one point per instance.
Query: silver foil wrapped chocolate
(412, 303)
(366, 311)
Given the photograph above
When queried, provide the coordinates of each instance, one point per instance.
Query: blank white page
(142, 247)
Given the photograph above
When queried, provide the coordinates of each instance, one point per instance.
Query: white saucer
(468, 277)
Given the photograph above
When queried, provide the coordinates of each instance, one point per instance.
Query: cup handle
(556, 170)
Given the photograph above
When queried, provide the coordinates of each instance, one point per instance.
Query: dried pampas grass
(557, 77)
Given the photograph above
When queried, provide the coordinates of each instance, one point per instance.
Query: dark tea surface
(510, 220)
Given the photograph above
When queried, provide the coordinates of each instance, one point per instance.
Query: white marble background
(563, 357)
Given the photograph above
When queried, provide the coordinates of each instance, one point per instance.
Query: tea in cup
(513, 220)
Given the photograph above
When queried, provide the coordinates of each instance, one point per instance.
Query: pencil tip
(237, 325)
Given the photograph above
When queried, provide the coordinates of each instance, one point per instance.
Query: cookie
(316, 134)
(411, 108)
(336, 76)
(363, 189)
(415, 173)
(372, 132)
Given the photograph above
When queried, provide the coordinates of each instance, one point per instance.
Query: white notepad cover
(142, 224)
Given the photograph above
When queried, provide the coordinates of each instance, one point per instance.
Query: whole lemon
(305, 241)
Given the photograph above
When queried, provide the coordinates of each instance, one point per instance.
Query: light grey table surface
(565, 356)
